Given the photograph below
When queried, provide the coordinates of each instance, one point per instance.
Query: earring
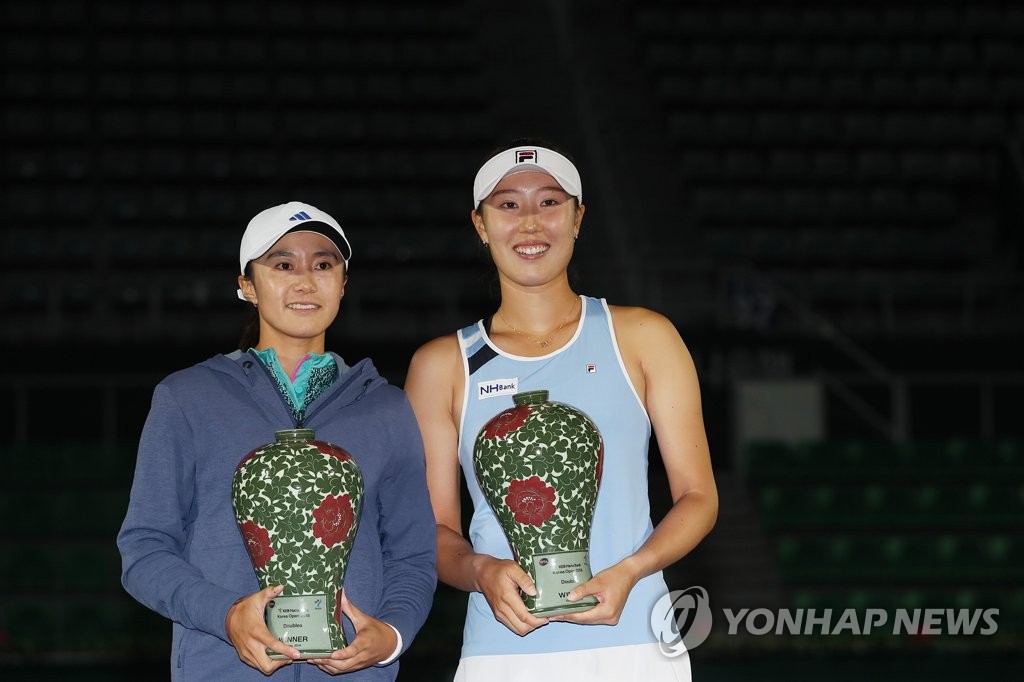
(485, 244)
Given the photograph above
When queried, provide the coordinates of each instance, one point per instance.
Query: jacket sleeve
(408, 532)
(153, 537)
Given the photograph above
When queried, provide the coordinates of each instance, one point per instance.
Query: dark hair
(251, 331)
(527, 142)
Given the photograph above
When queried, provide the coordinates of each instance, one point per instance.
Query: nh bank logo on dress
(492, 388)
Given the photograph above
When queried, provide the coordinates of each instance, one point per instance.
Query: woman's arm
(152, 541)
(663, 373)
(434, 385)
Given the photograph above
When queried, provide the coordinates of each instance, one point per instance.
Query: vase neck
(294, 435)
(530, 397)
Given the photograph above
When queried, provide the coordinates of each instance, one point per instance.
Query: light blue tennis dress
(587, 373)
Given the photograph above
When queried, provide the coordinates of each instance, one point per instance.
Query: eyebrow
(546, 188)
(291, 254)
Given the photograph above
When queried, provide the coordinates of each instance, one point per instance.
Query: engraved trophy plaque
(539, 466)
(297, 503)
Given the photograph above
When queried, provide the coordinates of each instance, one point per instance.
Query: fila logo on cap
(301, 215)
(526, 156)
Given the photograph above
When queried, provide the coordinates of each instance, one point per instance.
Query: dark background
(827, 193)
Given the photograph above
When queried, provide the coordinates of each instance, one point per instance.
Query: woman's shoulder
(201, 372)
(439, 349)
(637, 317)
(641, 331)
(435, 366)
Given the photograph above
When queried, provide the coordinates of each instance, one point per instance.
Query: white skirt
(639, 662)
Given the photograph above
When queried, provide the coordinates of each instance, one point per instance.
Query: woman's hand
(500, 581)
(248, 632)
(374, 642)
(611, 587)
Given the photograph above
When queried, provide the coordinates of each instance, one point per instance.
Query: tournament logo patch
(492, 388)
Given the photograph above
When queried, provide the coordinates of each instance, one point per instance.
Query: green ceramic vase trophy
(297, 504)
(539, 466)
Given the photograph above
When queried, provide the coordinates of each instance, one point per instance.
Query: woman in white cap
(627, 369)
(182, 553)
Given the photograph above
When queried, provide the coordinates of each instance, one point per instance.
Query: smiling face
(297, 286)
(530, 224)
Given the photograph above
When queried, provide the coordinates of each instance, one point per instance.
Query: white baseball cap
(271, 224)
(526, 158)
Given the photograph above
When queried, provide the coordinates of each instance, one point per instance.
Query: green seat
(949, 558)
(800, 558)
(922, 506)
(872, 505)
(780, 508)
(892, 560)
(769, 461)
(1003, 556)
(818, 460)
(858, 460)
(822, 505)
(977, 505)
(990, 506)
(958, 456)
(903, 558)
(968, 598)
(1006, 457)
(905, 461)
(847, 558)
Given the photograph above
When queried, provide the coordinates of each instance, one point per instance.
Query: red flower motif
(506, 422)
(333, 520)
(257, 543)
(531, 501)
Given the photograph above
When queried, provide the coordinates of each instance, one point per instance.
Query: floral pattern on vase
(539, 466)
(297, 503)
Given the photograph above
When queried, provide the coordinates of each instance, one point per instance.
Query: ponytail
(251, 331)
